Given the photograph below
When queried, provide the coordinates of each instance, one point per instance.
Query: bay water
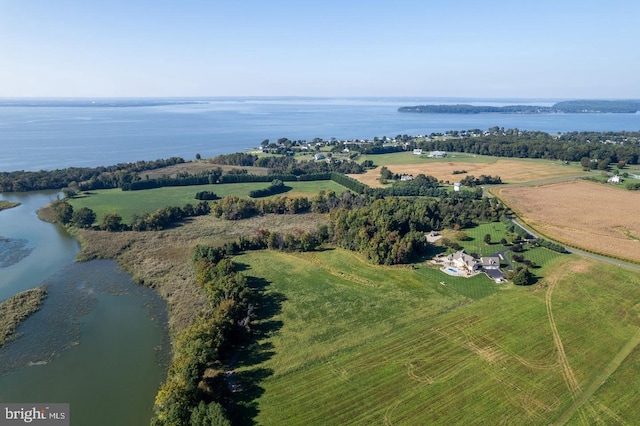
(37, 138)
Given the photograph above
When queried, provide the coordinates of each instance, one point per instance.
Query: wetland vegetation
(17, 308)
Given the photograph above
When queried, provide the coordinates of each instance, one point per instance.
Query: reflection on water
(98, 340)
(43, 248)
(72, 294)
(12, 251)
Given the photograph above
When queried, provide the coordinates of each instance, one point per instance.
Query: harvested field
(510, 170)
(198, 167)
(583, 214)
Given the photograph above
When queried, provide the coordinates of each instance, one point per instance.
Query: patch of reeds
(16, 309)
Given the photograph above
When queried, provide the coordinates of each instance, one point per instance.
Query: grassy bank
(162, 260)
(16, 309)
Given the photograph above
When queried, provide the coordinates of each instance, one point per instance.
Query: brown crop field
(583, 214)
(510, 170)
(198, 167)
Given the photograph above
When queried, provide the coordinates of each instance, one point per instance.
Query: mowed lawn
(128, 203)
(344, 342)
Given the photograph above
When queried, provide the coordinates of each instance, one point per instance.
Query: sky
(330, 48)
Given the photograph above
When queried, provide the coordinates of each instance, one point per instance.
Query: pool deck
(495, 274)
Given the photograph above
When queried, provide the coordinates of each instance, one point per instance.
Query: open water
(36, 138)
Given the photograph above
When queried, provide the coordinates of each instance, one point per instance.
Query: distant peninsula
(573, 107)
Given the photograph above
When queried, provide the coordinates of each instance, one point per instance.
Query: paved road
(579, 252)
(486, 193)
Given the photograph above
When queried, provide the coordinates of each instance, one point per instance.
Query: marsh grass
(16, 309)
(162, 260)
(8, 204)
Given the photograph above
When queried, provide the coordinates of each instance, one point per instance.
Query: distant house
(417, 151)
(614, 179)
(456, 186)
(437, 154)
(405, 178)
(319, 157)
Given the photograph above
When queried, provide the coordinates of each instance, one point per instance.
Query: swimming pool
(452, 270)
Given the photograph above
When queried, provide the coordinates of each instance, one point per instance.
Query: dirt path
(617, 360)
(567, 372)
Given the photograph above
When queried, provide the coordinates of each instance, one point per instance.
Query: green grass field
(127, 203)
(408, 157)
(345, 342)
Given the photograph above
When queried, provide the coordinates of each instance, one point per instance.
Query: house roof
(463, 257)
(490, 261)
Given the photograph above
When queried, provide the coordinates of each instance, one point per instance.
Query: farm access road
(583, 253)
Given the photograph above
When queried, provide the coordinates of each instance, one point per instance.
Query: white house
(437, 154)
(462, 260)
(417, 151)
(319, 157)
(405, 178)
(614, 179)
(456, 186)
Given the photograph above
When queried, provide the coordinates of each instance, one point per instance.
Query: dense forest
(573, 107)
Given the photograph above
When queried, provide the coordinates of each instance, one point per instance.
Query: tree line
(90, 178)
(187, 396)
(290, 165)
(571, 147)
(161, 219)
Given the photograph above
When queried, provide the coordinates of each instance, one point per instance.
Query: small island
(16, 309)
(564, 107)
(8, 204)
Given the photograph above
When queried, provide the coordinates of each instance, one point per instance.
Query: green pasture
(407, 157)
(340, 341)
(127, 203)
